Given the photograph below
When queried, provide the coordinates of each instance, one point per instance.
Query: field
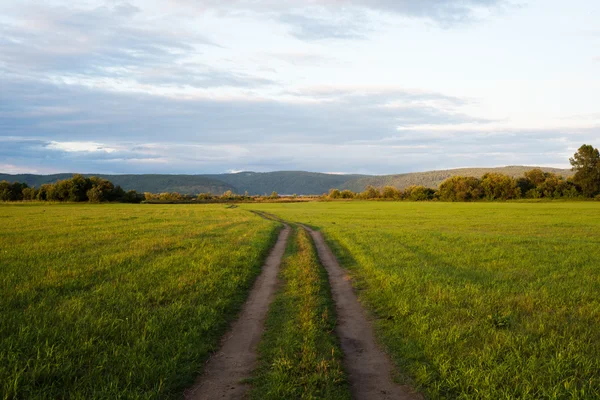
(471, 300)
(119, 301)
(475, 300)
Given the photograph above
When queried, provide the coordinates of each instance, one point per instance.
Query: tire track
(369, 368)
(225, 371)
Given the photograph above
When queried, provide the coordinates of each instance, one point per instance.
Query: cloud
(303, 59)
(353, 129)
(107, 44)
(87, 147)
(324, 27)
(59, 39)
(321, 115)
(439, 10)
(349, 19)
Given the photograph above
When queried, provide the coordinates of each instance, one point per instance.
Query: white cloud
(77, 147)
(16, 169)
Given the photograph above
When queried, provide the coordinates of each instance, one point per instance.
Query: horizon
(354, 86)
(292, 171)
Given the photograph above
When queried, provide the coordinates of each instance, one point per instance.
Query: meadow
(475, 300)
(119, 301)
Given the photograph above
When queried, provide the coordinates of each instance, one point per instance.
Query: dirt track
(369, 369)
(225, 371)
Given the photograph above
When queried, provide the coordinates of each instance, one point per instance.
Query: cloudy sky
(352, 86)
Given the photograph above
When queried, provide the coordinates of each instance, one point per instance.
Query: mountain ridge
(282, 182)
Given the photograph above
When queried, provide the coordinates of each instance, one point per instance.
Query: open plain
(468, 300)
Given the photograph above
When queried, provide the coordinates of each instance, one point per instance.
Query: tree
(586, 164)
(347, 194)
(78, 188)
(499, 187)
(390, 192)
(132, 197)
(334, 194)
(525, 185)
(94, 195)
(418, 193)
(460, 188)
(536, 176)
(29, 193)
(5, 191)
(370, 193)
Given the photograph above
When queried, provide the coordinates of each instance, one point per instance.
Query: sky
(338, 86)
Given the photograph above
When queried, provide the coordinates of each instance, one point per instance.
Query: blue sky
(345, 86)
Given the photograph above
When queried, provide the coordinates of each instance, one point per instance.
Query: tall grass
(299, 354)
(476, 301)
(119, 301)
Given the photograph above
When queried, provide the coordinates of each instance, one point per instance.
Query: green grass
(476, 300)
(299, 354)
(119, 301)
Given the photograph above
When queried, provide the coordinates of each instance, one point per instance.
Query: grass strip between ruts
(299, 354)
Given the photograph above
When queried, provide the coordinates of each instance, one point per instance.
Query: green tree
(499, 187)
(418, 193)
(460, 188)
(5, 191)
(370, 193)
(390, 192)
(29, 193)
(78, 187)
(536, 176)
(347, 194)
(94, 195)
(334, 194)
(586, 164)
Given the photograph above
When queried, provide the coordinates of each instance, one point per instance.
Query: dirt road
(369, 369)
(235, 361)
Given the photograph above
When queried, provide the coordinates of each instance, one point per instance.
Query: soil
(369, 369)
(224, 374)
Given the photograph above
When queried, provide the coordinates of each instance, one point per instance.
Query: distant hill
(282, 182)
(433, 179)
(285, 182)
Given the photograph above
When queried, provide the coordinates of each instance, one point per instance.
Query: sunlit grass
(476, 301)
(119, 301)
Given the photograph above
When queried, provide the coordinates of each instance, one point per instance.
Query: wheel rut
(369, 368)
(224, 374)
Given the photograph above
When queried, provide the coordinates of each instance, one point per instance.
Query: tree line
(75, 189)
(535, 184)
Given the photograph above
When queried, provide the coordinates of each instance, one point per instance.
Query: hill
(285, 182)
(282, 182)
(433, 179)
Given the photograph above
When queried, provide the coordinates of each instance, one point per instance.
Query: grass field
(119, 301)
(299, 354)
(475, 300)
